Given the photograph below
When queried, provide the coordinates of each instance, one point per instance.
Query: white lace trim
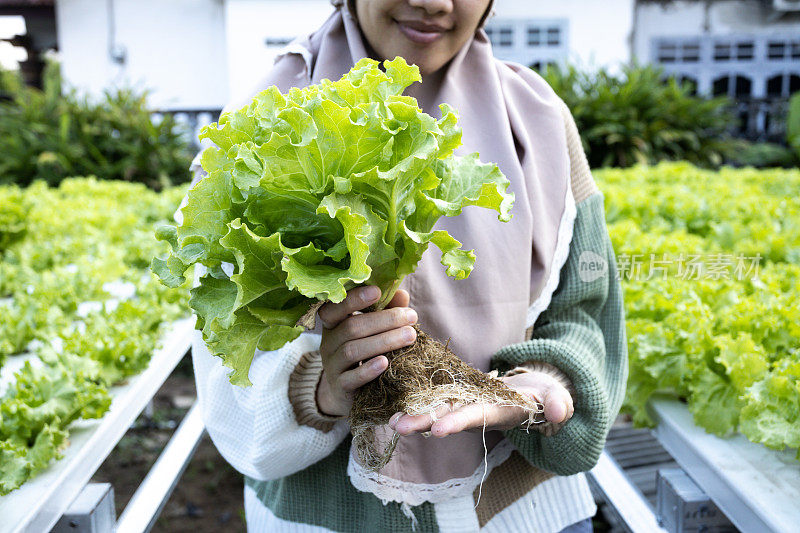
(408, 493)
(564, 238)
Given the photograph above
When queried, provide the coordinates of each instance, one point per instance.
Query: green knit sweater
(582, 332)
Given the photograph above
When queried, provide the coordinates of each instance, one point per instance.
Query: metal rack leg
(620, 493)
(91, 512)
(146, 504)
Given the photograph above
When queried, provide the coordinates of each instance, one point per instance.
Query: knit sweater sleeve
(256, 428)
(581, 333)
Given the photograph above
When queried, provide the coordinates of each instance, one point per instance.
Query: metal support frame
(682, 506)
(40, 503)
(623, 497)
(757, 488)
(91, 512)
(146, 504)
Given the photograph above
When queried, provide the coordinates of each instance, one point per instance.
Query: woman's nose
(433, 7)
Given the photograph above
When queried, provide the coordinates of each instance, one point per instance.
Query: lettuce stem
(387, 294)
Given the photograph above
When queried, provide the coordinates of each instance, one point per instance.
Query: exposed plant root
(420, 379)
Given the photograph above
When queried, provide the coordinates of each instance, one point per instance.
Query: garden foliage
(636, 117)
(76, 295)
(52, 134)
(712, 315)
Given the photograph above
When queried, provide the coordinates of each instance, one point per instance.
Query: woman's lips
(419, 34)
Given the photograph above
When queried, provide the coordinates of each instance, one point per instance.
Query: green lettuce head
(314, 192)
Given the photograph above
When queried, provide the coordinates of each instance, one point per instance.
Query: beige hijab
(512, 118)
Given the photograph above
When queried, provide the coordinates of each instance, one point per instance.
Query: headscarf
(512, 117)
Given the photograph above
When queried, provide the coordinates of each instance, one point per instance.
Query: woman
(554, 330)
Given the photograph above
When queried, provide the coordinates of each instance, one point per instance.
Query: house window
(743, 87)
(733, 86)
(534, 37)
(529, 41)
(738, 88)
(691, 52)
(678, 52)
(506, 37)
(783, 85)
(782, 50)
(775, 86)
(739, 51)
(667, 53)
(744, 51)
(538, 36)
(553, 36)
(722, 52)
(500, 36)
(776, 50)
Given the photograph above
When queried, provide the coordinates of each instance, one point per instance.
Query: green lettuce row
(771, 411)
(103, 233)
(13, 216)
(73, 383)
(311, 193)
(729, 347)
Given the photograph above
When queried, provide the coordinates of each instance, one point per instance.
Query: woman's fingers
(557, 405)
(400, 299)
(408, 424)
(556, 400)
(361, 375)
(462, 419)
(555, 410)
(352, 340)
(369, 324)
(332, 314)
(546, 390)
(354, 351)
(474, 417)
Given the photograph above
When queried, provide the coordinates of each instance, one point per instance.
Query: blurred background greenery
(637, 116)
(641, 116)
(54, 133)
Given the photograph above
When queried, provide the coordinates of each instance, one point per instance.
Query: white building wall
(598, 31)
(10, 55)
(174, 48)
(742, 19)
(249, 23)
(205, 53)
(690, 18)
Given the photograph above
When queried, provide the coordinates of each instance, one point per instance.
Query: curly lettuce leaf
(311, 193)
(19, 463)
(771, 412)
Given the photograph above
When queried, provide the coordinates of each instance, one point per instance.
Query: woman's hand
(352, 344)
(542, 387)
